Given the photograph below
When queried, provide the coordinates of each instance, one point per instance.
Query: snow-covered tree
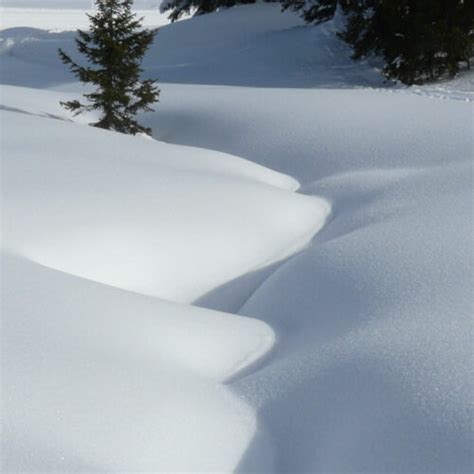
(114, 48)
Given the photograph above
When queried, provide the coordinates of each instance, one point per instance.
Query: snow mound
(157, 219)
(98, 376)
(95, 378)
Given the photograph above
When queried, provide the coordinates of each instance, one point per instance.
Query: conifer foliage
(114, 48)
(198, 7)
(418, 40)
(313, 11)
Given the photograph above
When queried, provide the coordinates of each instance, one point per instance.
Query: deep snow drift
(146, 217)
(158, 219)
(98, 379)
(355, 354)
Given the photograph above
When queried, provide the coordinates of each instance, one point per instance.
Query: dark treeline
(417, 40)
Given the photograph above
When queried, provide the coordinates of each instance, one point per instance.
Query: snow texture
(175, 305)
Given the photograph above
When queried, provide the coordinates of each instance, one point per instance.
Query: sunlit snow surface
(59, 19)
(352, 355)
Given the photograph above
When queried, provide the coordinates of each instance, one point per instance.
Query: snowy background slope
(60, 15)
(353, 355)
(254, 45)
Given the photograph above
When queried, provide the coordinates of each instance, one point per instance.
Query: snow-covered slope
(253, 45)
(355, 354)
(316, 133)
(374, 369)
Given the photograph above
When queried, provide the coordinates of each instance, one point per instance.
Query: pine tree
(114, 48)
(178, 8)
(317, 11)
(418, 40)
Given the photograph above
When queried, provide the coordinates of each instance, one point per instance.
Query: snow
(275, 127)
(182, 308)
(158, 219)
(61, 15)
(376, 368)
(269, 49)
(97, 378)
(54, 19)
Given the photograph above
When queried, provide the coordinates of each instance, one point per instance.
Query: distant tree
(177, 8)
(114, 48)
(418, 40)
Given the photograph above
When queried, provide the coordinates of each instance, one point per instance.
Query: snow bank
(157, 219)
(95, 378)
(98, 376)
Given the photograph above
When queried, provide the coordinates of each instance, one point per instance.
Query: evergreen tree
(178, 8)
(114, 48)
(198, 7)
(317, 11)
(418, 40)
